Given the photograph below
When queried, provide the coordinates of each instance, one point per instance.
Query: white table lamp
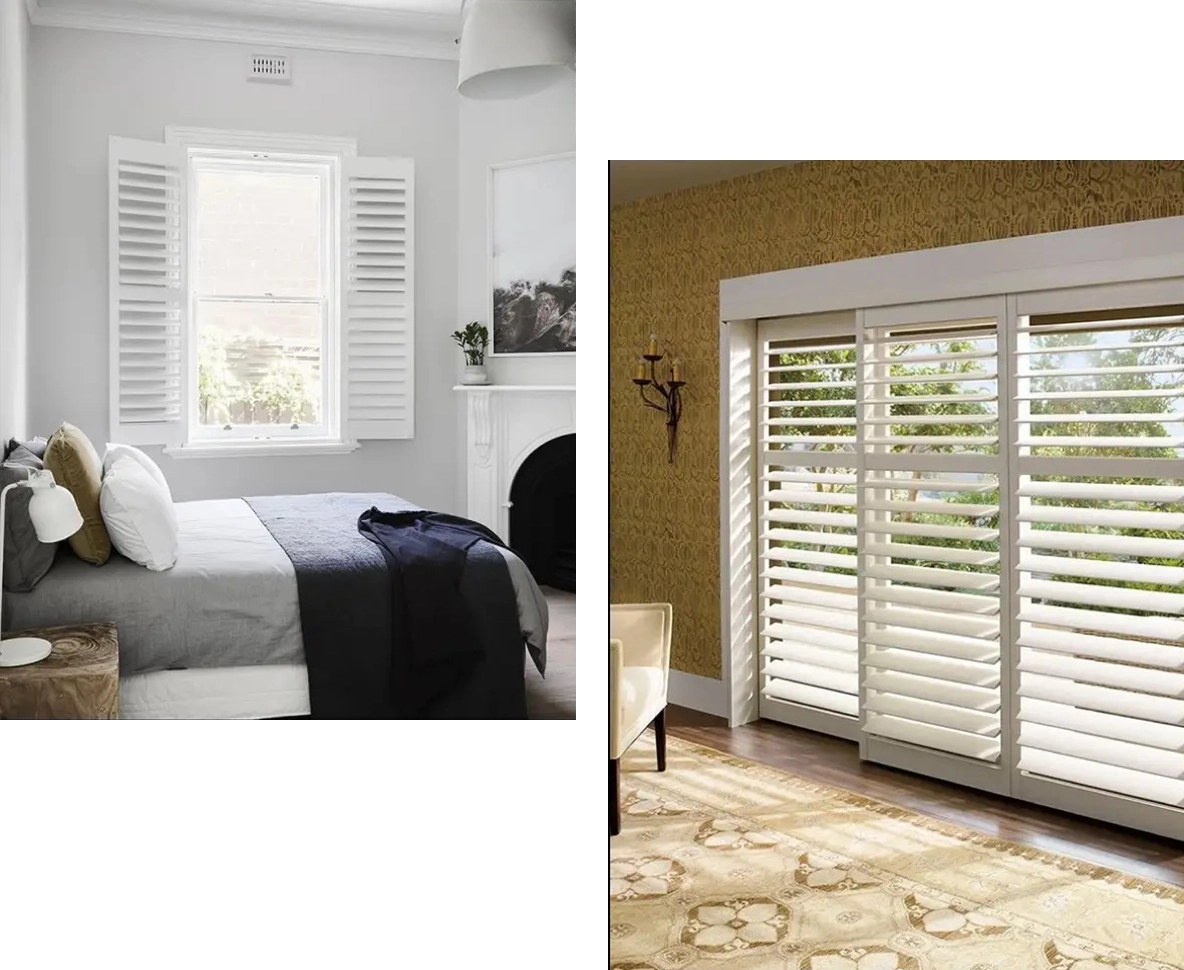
(55, 517)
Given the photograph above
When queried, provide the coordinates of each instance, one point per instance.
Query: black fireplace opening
(543, 513)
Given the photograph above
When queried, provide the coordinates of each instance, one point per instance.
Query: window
(262, 293)
(264, 324)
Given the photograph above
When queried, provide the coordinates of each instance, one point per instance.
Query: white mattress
(264, 690)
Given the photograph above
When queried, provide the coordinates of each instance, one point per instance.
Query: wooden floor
(836, 762)
(554, 698)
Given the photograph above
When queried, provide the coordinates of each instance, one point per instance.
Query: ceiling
(632, 180)
(412, 28)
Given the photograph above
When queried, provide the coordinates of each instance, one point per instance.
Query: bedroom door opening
(543, 513)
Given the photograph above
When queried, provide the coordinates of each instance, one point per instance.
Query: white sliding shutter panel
(378, 308)
(146, 291)
(929, 517)
(808, 585)
(1101, 550)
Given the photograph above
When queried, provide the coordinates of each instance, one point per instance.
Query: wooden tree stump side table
(79, 678)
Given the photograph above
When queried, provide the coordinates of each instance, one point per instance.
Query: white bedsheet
(266, 690)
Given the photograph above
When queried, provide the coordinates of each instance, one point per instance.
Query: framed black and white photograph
(532, 256)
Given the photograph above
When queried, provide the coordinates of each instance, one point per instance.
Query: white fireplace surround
(504, 424)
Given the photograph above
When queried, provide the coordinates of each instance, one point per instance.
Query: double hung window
(262, 292)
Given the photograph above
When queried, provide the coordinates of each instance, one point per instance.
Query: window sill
(260, 449)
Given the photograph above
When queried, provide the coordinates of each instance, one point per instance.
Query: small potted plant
(472, 341)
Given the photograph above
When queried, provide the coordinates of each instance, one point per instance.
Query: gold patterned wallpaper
(666, 258)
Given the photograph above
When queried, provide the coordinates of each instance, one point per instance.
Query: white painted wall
(87, 85)
(492, 132)
(14, 43)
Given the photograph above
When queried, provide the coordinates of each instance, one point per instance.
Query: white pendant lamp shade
(54, 513)
(512, 48)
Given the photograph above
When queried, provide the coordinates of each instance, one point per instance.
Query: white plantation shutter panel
(146, 292)
(808, 494)
(378, 307)
(929, 518)
(1101, 550)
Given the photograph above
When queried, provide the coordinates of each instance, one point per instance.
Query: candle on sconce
(653, 345)
(640, 372)
(677, 376)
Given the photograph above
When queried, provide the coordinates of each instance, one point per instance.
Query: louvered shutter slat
(377, 314)
(843, 642)
(146, 292)
(930, 712)
(942, 644)
(916, 731)
(842, 702)
(1167, 736)
(1140, 784)
(807, 653)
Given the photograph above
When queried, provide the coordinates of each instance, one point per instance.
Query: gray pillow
(26, 558)
(35, 446)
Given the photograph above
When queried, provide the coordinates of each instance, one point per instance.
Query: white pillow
(139, 514)
(115, 452)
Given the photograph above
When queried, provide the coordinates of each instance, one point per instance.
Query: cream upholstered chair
(638, 674)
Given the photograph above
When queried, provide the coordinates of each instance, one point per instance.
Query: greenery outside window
(261, 267)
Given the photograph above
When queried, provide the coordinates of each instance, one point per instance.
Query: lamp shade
(54, 513)
(512, 48)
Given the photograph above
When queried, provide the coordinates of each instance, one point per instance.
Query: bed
(223, 633)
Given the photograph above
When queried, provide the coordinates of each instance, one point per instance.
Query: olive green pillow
(76, 465)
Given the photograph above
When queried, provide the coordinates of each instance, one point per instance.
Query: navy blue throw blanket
(379, 641)
(426, 554)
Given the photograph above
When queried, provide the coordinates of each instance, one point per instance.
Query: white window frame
(223, 148)
(326, 169)
(1146, 256)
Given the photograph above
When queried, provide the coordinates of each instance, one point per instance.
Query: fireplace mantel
(504, 424)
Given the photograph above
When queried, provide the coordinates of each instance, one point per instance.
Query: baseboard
(698, 693)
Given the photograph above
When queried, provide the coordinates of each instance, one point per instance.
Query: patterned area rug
(725, 863)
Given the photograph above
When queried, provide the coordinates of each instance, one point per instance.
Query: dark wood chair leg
(614, 796)
(660, 736)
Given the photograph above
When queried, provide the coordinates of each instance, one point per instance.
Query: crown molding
(265, 23)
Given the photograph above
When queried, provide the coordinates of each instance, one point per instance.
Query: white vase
(474, 374)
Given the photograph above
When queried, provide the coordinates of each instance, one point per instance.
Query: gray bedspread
(229, 601)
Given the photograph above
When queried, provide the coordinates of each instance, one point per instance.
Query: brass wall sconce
(671, 402)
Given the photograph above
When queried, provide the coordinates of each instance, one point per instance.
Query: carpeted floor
(728, 864)
(554, 697)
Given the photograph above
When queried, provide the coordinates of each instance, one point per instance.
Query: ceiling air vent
(270, 67)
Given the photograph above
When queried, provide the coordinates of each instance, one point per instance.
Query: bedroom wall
(666, 258)
(14, 43)
(492, 132)
(87, 85)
